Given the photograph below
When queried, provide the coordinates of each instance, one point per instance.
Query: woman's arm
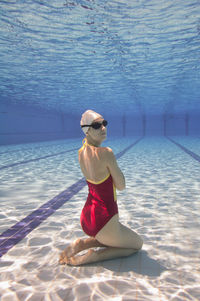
(116, 173)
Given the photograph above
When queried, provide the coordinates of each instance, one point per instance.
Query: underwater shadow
(139, 263)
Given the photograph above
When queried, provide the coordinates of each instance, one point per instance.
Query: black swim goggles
(96, 125)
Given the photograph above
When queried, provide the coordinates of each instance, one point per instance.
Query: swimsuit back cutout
(91, 161)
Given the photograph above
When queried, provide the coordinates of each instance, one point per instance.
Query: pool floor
(161, 202)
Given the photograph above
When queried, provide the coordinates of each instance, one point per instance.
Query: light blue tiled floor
(161, 202)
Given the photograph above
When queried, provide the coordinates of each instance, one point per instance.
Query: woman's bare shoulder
(106, 150)
(107, 153)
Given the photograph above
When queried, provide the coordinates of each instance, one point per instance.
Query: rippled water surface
(161, 202)
(128, 55)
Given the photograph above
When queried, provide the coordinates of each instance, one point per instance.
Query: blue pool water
(137, 62)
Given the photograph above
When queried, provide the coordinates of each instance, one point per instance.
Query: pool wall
(24, 124)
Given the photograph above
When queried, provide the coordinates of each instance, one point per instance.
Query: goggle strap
(104, 123)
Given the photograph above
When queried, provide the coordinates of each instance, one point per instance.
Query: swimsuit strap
(84, 142)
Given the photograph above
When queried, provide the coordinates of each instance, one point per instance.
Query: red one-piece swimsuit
(100, 206)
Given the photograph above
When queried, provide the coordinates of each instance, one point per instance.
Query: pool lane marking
(37, 159)
(30, 148)
(16, 233)
(193, 155)
(20, 230)
(120, 154)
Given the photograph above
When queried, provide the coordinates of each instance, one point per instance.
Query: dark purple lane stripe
(120, 154)
(37, 159)
(12, 236)
(17, 232)
(193, 155)
(30, 148)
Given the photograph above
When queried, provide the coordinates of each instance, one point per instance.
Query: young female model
(99, 217)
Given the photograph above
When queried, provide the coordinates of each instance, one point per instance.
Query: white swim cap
(87, 118)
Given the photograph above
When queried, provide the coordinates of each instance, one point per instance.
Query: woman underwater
(99, 217)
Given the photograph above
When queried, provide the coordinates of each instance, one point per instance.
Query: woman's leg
(103, 254)
(77, 246)
(114, 234)
(120, 241)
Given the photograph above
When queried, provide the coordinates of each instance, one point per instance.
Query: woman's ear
(87, 132)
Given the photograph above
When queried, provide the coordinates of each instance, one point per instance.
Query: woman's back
(93, 162)
(97, 162)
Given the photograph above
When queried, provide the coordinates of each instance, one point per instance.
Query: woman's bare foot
(89, 257)
(71, 250)
(100, 255)
(63, 260)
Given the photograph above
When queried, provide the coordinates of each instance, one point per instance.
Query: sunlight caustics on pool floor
(17, 232)
(161, 202)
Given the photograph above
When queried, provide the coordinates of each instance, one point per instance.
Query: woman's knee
(120, 240)
(139, 243)
(131, 237)
(115, 234)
